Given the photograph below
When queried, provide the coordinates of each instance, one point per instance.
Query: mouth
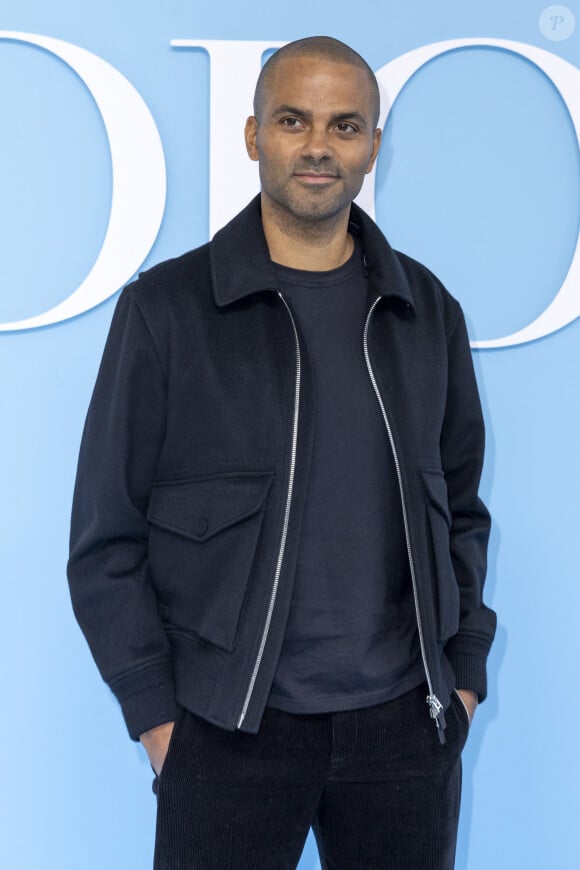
(315, 177)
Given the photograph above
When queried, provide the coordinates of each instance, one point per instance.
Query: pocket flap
(200, 507)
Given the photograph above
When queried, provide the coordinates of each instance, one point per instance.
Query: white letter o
(565, 306)
(139, 180)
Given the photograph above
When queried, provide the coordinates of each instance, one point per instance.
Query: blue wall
(479, 178)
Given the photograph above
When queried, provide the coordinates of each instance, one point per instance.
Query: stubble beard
(313, 215)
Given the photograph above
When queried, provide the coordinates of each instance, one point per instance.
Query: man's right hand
(156, 743)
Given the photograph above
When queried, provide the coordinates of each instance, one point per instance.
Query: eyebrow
(286, 109)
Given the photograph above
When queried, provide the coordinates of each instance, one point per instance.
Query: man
(278, 549)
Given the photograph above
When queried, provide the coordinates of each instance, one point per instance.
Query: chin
(316, 211)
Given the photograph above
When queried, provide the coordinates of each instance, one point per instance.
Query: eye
(346, 127)
(292, 123)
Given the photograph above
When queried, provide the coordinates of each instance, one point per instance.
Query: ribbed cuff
(147, 697)
(470, 672)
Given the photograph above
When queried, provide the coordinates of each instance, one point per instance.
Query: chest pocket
(203, 537)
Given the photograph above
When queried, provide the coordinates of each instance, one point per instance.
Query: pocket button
(201, 526)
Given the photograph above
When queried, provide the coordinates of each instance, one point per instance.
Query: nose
(317, 144)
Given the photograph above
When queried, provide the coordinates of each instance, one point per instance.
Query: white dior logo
(139, 180)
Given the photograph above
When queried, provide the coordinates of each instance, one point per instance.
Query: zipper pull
(437, 714)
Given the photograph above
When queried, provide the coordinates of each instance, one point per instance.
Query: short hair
(320, 48)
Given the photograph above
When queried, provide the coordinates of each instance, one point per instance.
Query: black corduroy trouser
(377, 787)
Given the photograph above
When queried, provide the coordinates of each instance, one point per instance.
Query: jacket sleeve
(112, 595)
(462, 447)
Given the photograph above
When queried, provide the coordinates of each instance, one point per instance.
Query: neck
(315, 246)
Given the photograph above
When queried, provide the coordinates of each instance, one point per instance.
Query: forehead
(318, 84)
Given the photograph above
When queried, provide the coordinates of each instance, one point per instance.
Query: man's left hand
(470, 700)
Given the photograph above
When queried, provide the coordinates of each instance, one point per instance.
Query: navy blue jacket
(194, 468)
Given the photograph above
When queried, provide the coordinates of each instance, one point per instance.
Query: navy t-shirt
(351, 639)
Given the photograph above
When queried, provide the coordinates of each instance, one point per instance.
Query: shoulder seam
(149, 330)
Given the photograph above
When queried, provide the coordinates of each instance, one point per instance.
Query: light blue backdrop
(479, 179)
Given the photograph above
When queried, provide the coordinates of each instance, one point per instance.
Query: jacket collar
(240, 262)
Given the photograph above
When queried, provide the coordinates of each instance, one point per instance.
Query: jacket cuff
(147, 699)
(470, 672)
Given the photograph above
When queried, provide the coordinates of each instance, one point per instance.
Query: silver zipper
(285, 525)
(434, 704)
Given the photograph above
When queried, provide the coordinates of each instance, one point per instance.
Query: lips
(316, 177)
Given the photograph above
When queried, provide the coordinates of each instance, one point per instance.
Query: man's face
(316, 139)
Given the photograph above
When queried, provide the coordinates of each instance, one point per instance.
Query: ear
(376, 144)
(250, 135)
